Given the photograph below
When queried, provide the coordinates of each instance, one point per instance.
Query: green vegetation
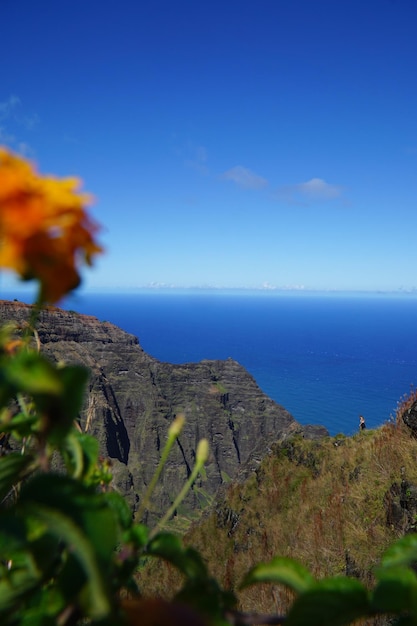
(69, 548)
(334, 505)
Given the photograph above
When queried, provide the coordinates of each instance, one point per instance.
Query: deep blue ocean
(326, 359)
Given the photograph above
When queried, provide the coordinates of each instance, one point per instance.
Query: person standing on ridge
(362, 424)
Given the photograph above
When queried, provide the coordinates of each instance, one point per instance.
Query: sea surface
(325, 358)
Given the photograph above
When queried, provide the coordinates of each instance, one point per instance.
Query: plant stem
(173, 433)
(201, 457)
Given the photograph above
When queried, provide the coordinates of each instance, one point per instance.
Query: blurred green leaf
(73, 379)
(41, 615)
(332, 601)
(207, 597)
(187, 560)
(403, 552)
(72, 453)
(30, 372)
(88, 510)
(59, 411)
(280, 570)
(139, 535)
(20, 425)
(120, 507)
(13, 468)
(22, 578)
(70, 581)
(13, 535)
(80, 453)
(396, 591)
(66, 530)
(90, 450)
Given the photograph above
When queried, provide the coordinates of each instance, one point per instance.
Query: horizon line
(82, 290)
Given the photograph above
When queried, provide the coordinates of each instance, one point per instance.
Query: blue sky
(228, 143)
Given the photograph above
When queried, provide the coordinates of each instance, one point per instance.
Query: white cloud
(318, 188)
(25, 149)
(245, 178)
(309, 191)
(8, 107)
(5, 136)
(12, 121)
(30, 121)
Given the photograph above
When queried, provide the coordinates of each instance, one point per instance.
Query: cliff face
(133, 398)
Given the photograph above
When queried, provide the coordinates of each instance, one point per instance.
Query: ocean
(325, 358)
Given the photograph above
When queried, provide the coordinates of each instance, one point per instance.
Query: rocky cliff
(132, 399)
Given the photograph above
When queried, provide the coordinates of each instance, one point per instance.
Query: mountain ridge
(132, 398)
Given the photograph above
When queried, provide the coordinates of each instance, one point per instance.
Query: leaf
(13, 467)
(80, 452)
(88, 510)
(139, 535)
(13, 535)
(60, 410)
(120, 507)
(81, 547)
(38, 616)
(20, 580)
(207, 597)
(20, 425)
(280, 570)
(90, 449)
(73, 455)
(396, 591)
(71, 580)
(402, 552)
(73, 379)
(30, 372)
(46, 550)
(32, 559)
(170, 548)
(21, 535)
(332, 601)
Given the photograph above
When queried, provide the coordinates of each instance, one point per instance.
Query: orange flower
(45, 231)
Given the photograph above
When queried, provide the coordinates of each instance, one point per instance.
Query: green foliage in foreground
(69, 548)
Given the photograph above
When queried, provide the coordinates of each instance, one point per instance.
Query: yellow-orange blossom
(45, 231)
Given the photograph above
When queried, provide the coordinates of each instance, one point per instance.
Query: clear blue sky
(230, 143)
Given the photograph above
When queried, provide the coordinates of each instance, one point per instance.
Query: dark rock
(227, 518)
(314, 432)
(133, 398)
(409, 417)
(351, 567)
(401, 507)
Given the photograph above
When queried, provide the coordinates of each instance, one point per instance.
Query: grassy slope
(325, 503)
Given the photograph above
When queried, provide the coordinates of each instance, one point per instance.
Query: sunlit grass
(323, 503)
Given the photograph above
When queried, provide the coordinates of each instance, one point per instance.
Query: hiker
(362, 424)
